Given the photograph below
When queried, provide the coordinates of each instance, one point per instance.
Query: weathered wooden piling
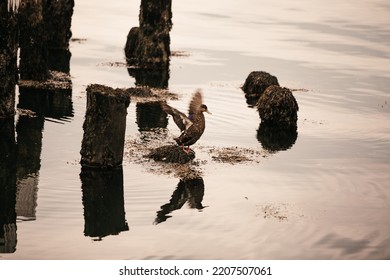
(34, 64)
(7, 186)
(104, 127)
(44, 37)
(256, 83)
(58, 19)
(8, 59)
(149, 45)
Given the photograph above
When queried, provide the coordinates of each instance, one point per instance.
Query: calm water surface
(326, 197)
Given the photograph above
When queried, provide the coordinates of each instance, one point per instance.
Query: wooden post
(58, 19)
(149, 45)
(7, 186)
(104, 126)
(8, 59)
(33, 41)
(256, 83)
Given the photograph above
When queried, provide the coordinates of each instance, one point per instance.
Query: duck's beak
(207, 111)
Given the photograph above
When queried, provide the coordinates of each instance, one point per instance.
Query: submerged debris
(234, 155)
(113, 64)
(282, 212)
(78, 40)
(180, 54)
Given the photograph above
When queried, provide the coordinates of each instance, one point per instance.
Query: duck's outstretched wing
(195, 104)
(180, 119)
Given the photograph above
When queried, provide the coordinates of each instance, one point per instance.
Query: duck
(191, 126)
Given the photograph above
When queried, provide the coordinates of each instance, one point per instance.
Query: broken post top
(119, 94)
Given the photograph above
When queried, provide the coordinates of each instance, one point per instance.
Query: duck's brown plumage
(193, 125)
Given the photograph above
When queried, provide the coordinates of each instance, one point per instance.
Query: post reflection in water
(55, 104)
(29, 137)
(275, 138)
(50, 103)
(188, 190)
(150, 115)
(103, 200)
(8, 238)
(155, 78)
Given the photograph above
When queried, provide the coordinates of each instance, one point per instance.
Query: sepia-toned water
(324, 195)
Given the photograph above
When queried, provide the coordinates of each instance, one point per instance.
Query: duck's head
(203, 108)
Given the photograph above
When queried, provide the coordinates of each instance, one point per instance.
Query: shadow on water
(189, 191)
(103, 200)
(8, 154)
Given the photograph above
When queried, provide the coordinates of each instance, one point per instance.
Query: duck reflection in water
(188, 190)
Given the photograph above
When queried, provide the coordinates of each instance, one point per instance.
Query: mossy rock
(278, 105)
(256, 83)
(171, 154)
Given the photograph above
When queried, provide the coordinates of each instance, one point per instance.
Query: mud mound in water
(172, 154)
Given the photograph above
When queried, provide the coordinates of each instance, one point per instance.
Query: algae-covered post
(33, 41)
(8, 59)
(7, 186)
(104, 126)
(44, 37)
(58, 19)
(256, 83)
(149, 45)
(278, 105)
